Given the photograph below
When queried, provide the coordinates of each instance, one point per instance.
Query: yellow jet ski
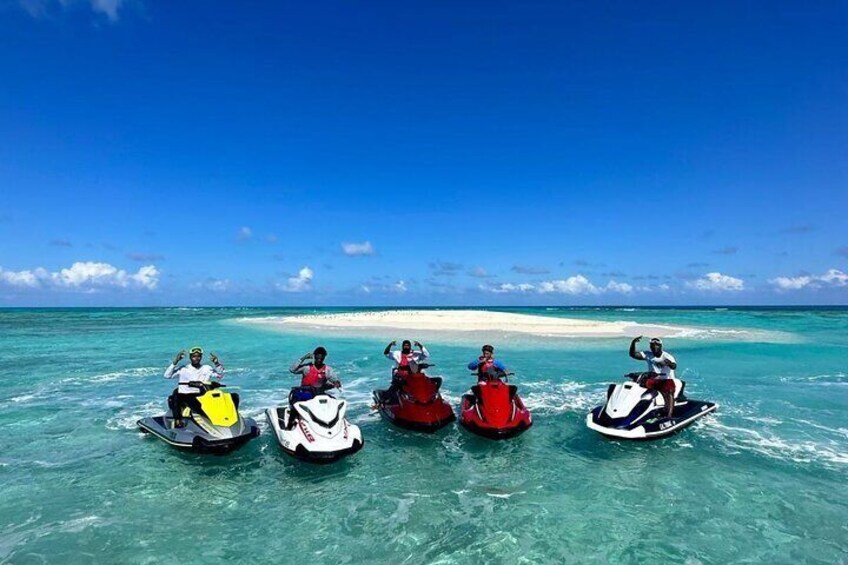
(217, 427)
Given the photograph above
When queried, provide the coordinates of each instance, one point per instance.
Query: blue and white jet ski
(634, 412)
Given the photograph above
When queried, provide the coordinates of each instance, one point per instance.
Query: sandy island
(476, 321)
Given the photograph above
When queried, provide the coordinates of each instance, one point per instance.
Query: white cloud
(147, 277)
(213, 284)
(41, 8)
(244, 233)
(107, 7)
(832, 278)
(479, 272)
(400, 286)
(354, 249)
(575, 285)
(509, 287)
(529, 270)
(28, 279)
(83, 275)
(791, 283)
(300, 283)
(623, 288)
(716, 282)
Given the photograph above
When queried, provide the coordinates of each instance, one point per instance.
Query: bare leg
(669, 401)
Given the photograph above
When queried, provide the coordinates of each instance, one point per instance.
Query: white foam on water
(127, 418)
(763, 420)
(836, 379)
(25, 398)
(729, 334)
(557, 398)
(837, 431)
(505, 495)
(79, 524)
(776, 447)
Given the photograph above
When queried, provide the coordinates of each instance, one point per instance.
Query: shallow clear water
(762, 480)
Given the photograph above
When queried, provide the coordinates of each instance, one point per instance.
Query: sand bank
(472, 321)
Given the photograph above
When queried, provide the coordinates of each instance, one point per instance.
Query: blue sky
(423, 153)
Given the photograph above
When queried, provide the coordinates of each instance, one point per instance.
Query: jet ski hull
(295, 440)
(632, 411)
(427, 418)
(494, 411)
(192, 437)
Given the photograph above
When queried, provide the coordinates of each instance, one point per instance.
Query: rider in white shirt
(661, 366)
(406, 355)
(404, 362)
(184, 394)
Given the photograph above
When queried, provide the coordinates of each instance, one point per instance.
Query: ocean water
(763, 480)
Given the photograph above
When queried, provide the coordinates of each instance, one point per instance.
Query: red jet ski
(493, 409)
(417, 404)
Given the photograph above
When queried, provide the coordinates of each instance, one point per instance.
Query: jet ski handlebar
(204, 387)
(637, 377)
(492, 375)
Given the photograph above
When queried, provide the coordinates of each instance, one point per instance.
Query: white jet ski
(634, 412)
(317, 430)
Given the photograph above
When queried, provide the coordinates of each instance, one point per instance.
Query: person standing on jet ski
(186, 395)
(485, 363)
(661, 366)
(405, 362)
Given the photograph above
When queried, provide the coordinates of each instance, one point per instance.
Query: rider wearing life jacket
(315, 374)
(485, 363)
(315, 377)
(406, 356)
(405, 362)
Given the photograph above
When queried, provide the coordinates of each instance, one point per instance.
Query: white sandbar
(475, 321)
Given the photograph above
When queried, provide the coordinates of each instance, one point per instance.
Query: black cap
(320, 350)
(488, 348)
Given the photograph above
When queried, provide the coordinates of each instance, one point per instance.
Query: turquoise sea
(765, 480)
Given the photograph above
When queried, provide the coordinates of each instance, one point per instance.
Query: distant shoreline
(767, 307)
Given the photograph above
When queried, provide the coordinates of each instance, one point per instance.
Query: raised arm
(424, 353)
(297, 365)
(219, 368)
(638, 355)
(388, 351)
(172, 368)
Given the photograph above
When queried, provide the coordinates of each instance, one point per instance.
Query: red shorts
(662, 385)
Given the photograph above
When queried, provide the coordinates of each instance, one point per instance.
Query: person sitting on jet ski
(486, 363)
(406, 355)
(186, 395)
(404, 362)
(661, 366)
(315, 374)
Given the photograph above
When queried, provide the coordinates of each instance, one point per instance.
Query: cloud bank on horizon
(267, 159)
